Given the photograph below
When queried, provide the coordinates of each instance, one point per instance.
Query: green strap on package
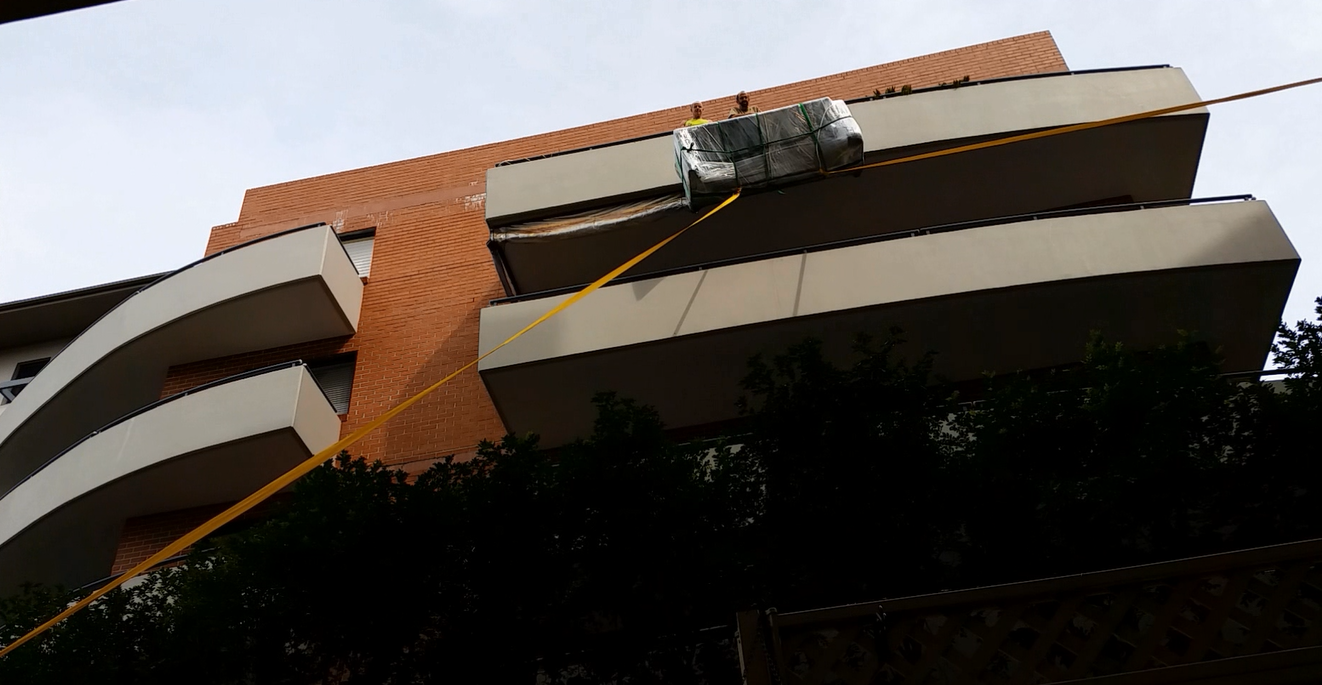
(769, 148)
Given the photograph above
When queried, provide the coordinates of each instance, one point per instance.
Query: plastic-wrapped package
(768, 148)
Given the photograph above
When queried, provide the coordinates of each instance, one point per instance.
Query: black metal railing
(233, 248)
(146, 408)
(214, 255)
(1256, 375)
(897, 235)
(190, 265)
(155, 567)
(1005, 79)
(10, 389)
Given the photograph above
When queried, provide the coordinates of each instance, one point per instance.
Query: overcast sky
(127, 131)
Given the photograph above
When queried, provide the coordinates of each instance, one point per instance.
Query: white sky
(127, 131)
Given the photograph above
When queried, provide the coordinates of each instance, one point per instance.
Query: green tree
(850, 462)
(595, 563)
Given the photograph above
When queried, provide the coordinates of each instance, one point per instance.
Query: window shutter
(360, 253)
(336, 381)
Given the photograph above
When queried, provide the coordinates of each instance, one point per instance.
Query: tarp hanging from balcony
(593, 221)
(768, 148)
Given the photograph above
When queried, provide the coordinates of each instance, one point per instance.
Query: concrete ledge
(1143, 161)
(217, 445)
(997, 298)
(292, 288)
(558, 184)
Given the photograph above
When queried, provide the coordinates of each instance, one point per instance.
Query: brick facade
(145, 535)
(432, 273)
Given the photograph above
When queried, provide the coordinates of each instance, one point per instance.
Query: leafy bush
(597, 562)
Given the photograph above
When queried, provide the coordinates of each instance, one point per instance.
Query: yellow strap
(317, 459)
(329, 453)
(1079, 127)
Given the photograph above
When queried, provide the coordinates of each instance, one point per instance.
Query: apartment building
(133, 411)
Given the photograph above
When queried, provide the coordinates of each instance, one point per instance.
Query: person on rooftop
(741, 107)
(697, 119)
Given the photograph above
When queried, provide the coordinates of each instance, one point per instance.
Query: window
(359, 246)
(335, 376)
(24, 372)
(30, 369)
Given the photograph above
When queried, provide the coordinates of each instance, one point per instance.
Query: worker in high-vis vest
(697, 119)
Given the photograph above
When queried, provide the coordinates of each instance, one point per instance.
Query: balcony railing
(869, 98)
(1144, 161)
(146, 408)
(290, 287)
(1019, 292)
(10, 389)
(898, 235)
(210, 444)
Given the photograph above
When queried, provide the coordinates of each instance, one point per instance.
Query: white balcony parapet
(215, 445)
(1141, 161)
(647, 166)
(1001, 297)
(295, 287)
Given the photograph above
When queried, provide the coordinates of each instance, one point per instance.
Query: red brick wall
(145, 535)
(431, 271)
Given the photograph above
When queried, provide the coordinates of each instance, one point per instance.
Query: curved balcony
(292, 287)
(210, 445)
(1142, 161)
(1000, 295)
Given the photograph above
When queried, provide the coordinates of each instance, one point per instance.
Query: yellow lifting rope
(1079, 127)
(330, 452)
